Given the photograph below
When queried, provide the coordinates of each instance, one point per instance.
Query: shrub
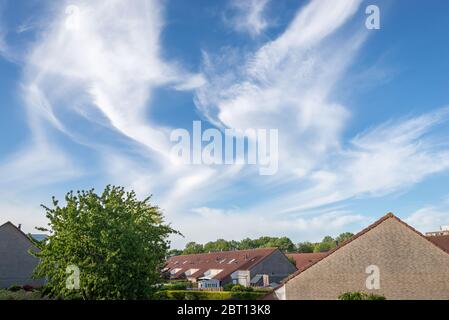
(240, 288)
(20, 295)
(177, 285)
(15, 288)
(228, 286)
(237, 288)
(360, 296)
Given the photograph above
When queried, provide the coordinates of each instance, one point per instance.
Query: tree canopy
(283, 243)
(118, 244)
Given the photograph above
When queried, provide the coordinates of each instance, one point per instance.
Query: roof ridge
(18, 229)
(389, 215)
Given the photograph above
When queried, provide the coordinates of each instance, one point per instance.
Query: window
(174, 271)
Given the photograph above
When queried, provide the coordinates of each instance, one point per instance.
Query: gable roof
(358, 235)
(227, 261)
(9, 223)
(303, 260)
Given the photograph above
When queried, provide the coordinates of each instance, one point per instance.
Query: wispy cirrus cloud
(106, 70)
(391, 157)
(248, 16)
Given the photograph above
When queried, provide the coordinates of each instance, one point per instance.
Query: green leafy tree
(174, 252)
(216, 246)
(118, 243)
(284, 244)
(233, 245)
(305, 247)
(246, 244)
(327, 244)
(192, 248)
(343, 237)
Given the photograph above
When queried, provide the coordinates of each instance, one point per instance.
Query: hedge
(208, 295)
(20, 295)
(360, 296)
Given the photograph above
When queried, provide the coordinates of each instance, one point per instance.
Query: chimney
(19, 226)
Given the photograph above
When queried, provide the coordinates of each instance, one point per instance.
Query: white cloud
(429, 219)
(111, 63)
(18, 212)
(391, 157)
(286, 85)
(249, 16)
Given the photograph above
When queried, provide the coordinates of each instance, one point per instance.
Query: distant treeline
(284, 244)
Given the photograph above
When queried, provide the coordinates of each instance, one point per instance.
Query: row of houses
(257, 267)
(388, 258)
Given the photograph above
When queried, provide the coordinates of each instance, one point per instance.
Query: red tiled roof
(303, 260)
(227, 261)
(440, 241)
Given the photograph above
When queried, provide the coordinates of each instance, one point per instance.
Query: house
(257, 267)
(444, 231)
(440, 238)
(389, 258)
(16, 263)
(303, 260)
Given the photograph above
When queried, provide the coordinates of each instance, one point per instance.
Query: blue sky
(362, 114)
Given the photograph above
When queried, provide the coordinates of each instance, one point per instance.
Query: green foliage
(283, 243)
(118, 243)
(192, 248)
(15, 288)
(292, 260)
(20, 295)
(228, 286)
(247, 243)
(177, 285)
(305, 247)
(325, 245)
(360, 296)
(237, 288)
(219, 245)
(343, 237)
(208, 295)
(240, 288)
(174, 252)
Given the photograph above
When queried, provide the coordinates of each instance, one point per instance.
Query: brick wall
(410, 267)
